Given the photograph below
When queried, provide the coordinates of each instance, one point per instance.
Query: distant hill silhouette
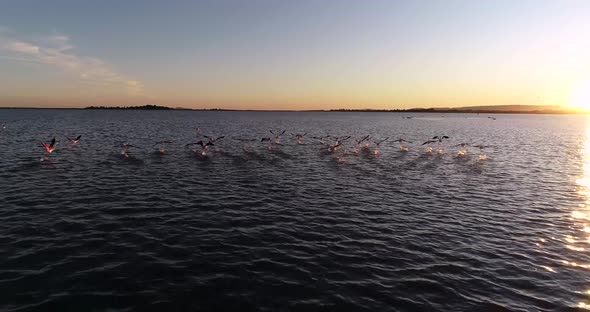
(490, 109)
(144, 107)
(514, 108)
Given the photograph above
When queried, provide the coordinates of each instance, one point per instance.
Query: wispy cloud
(57, 51)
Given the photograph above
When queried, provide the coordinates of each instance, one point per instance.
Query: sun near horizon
(307, 55)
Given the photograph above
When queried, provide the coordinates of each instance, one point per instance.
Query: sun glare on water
(581, 215)
(580, 98)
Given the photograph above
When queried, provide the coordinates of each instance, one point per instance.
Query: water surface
(296, 227)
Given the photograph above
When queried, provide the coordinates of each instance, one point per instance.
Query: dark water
(297, 227)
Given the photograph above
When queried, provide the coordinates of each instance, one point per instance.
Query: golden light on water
(581, 215)
(574, 248)
(584, 305)
(580, 97)
(575, 264)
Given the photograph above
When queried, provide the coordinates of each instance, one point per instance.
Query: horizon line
(485, 109)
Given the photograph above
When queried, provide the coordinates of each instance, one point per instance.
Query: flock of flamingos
(330, 144)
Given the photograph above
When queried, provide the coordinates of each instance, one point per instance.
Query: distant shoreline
(399, 111)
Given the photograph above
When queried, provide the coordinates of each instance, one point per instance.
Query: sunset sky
(294, 54)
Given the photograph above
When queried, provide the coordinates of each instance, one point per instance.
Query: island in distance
(143, 107)
(491, 109)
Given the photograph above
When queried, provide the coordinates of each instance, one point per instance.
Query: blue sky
(293, 54)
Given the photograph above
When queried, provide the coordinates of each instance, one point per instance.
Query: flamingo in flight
(203, 145)
(357, 145)
(401, 146)
(482, 156)
(213, 140)
(436, 139)
(277, 136)
(377, 143)
(440, 138)
(364, 139)
(299, 137)
(333, 147)
(126, 146)
(463, 151)
(277, 139)
(51, 147)
(74, 141)
(270, 142)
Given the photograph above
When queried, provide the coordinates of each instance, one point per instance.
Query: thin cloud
(56, 50)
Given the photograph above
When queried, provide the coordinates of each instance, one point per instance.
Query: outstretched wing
(52, 143)
(363, 139)
(78, 138)
(387, 138)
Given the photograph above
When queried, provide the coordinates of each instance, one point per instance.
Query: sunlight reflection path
(581, 218)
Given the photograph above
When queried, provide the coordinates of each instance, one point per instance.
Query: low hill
(513, 108)
(144, 107)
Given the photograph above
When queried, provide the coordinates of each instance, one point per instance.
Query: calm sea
(296, 227)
